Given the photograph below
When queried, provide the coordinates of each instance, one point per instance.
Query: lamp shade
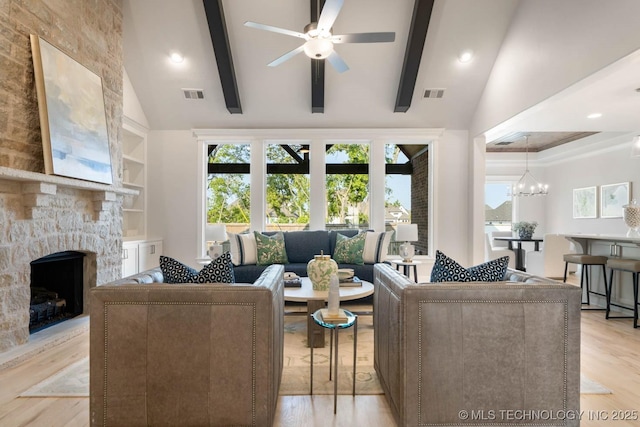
(635, 146)
(216, 233)
(407, 232)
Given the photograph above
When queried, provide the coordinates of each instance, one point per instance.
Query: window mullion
(258, 184)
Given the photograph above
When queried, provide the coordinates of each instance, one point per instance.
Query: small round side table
(334, 327)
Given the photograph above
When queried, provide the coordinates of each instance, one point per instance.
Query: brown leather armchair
(201, 354)
(475, 353)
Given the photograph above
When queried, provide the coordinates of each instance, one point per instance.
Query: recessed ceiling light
(465, 56)
(594, 116)
(176, 58)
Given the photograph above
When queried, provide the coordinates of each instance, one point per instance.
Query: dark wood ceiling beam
(222, 50)
(413, 53)
(317, 67)
(293, 153)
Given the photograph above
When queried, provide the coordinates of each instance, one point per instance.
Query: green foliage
(345, 191)
(287, 195)
(229, 196)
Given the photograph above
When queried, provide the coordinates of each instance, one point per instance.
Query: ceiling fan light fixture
(318, 48)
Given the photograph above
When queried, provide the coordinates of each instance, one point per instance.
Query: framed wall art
(584, 202)
(612, 198)
(72, 115)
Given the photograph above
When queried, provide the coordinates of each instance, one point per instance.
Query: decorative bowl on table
(345, 274)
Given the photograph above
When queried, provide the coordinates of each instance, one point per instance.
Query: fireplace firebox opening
(56, 289)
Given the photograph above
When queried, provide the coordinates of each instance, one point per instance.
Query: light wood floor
(610, 355)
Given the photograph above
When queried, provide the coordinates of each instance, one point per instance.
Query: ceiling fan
(319, 40)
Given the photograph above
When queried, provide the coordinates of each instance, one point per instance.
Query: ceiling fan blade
(274, 29)
(286, 56)
(364, 38)
(337, 62)
(329, 13)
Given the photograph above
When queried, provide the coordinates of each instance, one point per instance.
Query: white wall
(609, 163)
(550, 45)
(172, 159)
(594, 161)
(172, 183)
(130, 104)
(451, 196)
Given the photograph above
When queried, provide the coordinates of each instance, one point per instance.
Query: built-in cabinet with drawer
(140, 255)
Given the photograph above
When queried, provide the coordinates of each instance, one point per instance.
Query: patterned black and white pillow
(490, 271)
(446, 269)
(174, 271)
(220, 270)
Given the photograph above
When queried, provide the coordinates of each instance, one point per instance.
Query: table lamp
(215, 233)
(408, 233)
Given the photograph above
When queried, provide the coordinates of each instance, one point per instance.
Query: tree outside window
(348, 193)
(229, 194)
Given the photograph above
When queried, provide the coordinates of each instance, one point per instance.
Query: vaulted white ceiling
(364, 96)
(280, 97)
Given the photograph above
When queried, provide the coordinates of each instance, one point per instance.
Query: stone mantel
(9, 174)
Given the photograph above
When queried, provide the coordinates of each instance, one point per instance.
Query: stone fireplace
(42, 215)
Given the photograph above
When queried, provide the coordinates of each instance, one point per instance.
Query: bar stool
(586, 261)
(631, 266)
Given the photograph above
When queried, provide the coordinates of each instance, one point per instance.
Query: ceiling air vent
(433, 93)
(193, 93)
(505, 143)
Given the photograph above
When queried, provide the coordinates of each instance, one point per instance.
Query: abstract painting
(72, 115)
(612, 198)
(584, 202)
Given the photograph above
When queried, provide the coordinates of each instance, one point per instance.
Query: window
(287, 195)
(228, 186)
(291, 179)
(347, 186)
(498, 206)
(397, 192)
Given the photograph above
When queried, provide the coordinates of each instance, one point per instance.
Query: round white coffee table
(316, 300)
(305, 293)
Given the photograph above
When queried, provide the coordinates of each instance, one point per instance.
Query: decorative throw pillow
(490, 271)
(270, 249)
(349, 250)
(243, 248)
(446, 269)
(174, 271)
(376, 246)
(220, 270)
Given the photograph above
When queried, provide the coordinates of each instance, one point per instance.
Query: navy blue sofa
(301, 246)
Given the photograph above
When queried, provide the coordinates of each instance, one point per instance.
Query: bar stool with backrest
(631, 266)
(587, 261)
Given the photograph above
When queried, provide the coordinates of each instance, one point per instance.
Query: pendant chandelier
(528, 185)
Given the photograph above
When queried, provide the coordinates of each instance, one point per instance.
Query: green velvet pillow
(270, 249)
(349, 250)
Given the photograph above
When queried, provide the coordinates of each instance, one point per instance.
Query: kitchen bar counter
(609, 245)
